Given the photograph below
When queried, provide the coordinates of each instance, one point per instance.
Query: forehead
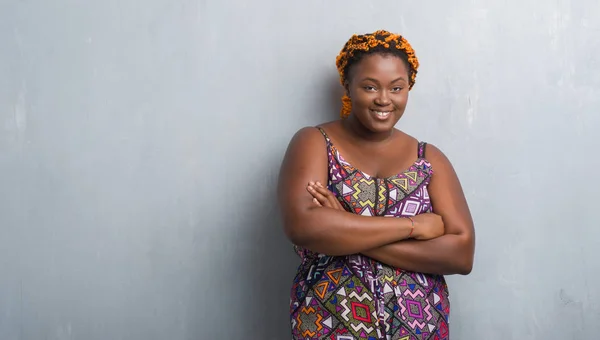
(380, 66)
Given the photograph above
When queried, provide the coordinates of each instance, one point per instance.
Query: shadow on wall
(272, 263)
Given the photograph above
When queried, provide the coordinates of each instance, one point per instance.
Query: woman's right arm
(327, 231)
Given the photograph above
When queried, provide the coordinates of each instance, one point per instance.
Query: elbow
(465, 258)
(312, 238)
(459, 265)
(299, 231)
(297, 236)
(465, 266)
(301, 228)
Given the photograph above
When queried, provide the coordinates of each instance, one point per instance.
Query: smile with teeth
(381, 114)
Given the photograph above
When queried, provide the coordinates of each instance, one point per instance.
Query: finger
(331, 198)
(328, 196)
(322, 203)
(322, 190)
(336, 204)
(324, 197)
(339, 205)
(325, 192)
(316, 194)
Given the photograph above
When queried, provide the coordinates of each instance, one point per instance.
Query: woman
(365, 274)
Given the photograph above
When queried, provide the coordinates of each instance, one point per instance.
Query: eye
(369, 88)
(397, 89)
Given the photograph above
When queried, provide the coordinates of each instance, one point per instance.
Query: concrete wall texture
(140, 144)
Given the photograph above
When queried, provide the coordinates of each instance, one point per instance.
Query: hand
(323, 197)
(428, 226)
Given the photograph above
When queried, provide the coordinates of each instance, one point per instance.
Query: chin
(379, 127)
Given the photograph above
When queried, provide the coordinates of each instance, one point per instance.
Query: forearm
(336, 232)
(445, 255)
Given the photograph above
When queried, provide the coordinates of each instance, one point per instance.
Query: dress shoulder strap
(324, 134)
(421, 149)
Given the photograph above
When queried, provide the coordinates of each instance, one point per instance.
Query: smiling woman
(374, 254)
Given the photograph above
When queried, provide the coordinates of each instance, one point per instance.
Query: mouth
(381, 115)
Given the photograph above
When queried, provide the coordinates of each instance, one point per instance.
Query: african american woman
(377, 217)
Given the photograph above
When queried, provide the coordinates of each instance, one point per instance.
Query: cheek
(401, 99)
(361, 98)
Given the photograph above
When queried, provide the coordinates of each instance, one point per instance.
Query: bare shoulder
(307, 136)
(445, 181)
(305, 160)
(437, 158)
(435, 154)
(308, 145)
(311, 134)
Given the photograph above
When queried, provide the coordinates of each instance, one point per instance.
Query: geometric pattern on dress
(414, 305)
(355, 297)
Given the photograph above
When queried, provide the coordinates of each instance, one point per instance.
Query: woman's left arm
(451, 253)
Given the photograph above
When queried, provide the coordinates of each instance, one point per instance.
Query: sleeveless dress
(355, 297)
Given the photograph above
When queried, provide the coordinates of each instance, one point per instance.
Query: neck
(356, 129)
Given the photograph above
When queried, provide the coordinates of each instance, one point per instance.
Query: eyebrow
(375, 80)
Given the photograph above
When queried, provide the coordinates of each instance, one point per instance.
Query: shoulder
(433, 153)
(308, 136)
(438, 160)
(308, 141)
(304, 160)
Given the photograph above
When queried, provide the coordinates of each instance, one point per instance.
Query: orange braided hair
(377, 42)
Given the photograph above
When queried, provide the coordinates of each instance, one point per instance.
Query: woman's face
(378, 88)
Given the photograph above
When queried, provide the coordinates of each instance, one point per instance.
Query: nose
(382, 99)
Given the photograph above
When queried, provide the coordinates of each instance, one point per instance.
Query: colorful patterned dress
(355, 297)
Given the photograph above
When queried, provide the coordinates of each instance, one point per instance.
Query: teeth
(382, 114)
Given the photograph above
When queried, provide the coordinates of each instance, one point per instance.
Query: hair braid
(377, 42)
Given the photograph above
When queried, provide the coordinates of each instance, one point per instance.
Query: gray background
(140, 143)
